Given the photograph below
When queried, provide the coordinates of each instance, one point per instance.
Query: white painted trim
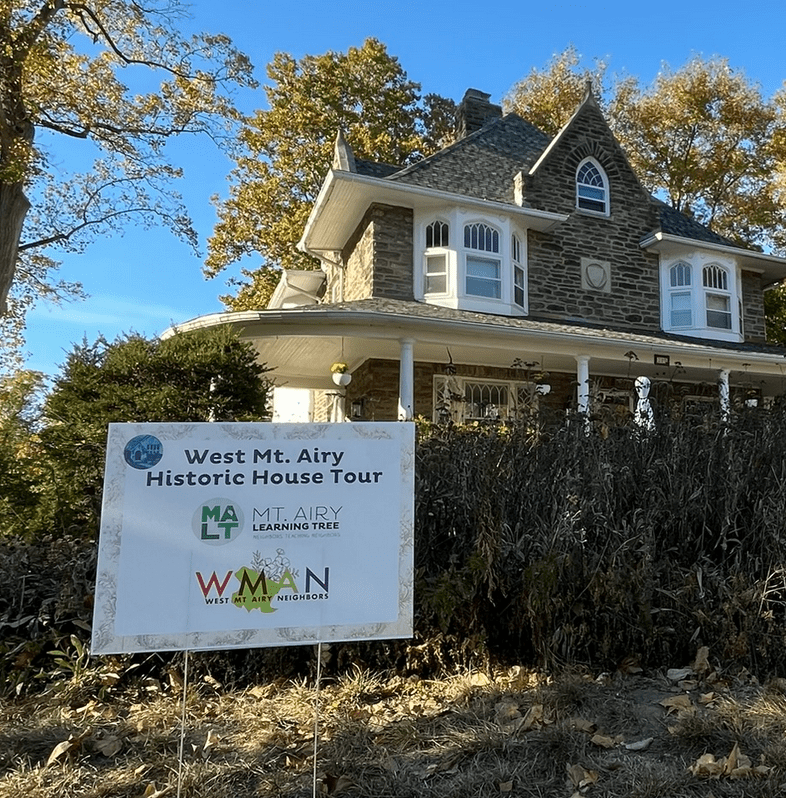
(771, 267)
(406, 381)
(374, 189)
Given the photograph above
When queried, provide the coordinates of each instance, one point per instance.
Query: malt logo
(142, 452)
(217, 521)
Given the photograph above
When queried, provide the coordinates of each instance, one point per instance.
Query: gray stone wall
(753, 307)
(555, 279)
(376, 383)
(378, 258)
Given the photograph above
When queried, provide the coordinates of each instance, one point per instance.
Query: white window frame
(446, 389)
(433, 252)
(482, 252)
(584, 201)
(715, 282)
(694, 280)
(506, 266)
(519, 275)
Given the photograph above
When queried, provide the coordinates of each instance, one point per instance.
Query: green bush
(532, 546)
(196, 376)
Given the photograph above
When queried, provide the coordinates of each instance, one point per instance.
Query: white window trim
(456, 294)
(606, 199)
(438, 251)
(699, 328)
(446, 386)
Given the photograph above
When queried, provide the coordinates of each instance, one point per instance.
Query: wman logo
(217, 521)
(263, 581)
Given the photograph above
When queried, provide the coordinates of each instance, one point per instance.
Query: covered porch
(409, 359)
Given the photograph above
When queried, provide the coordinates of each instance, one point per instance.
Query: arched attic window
(592, 191)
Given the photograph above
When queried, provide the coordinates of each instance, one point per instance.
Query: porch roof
(302, 343)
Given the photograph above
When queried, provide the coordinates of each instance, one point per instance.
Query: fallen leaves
(681, 704)
(580, 779)
(603, 741)
(67, 748)
(734, 766)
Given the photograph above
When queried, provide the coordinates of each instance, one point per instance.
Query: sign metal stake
(182, 726)
(316, 717)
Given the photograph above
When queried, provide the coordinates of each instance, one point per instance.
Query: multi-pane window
(702, 299)
(519, 289)
(591, 190)
(461, 399)
(681, 302)
(436, 276)
(437, 235)
(485, 401)
(718, 305)
(483, 276)
(471, 263)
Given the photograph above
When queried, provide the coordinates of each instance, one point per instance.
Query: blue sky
(146, 280)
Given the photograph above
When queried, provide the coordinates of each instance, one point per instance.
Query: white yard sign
(244, 535)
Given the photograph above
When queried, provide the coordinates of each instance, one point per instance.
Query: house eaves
(297, 287)
(345, 197)
(299, 343)
(771, 267)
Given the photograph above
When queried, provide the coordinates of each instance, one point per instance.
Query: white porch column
(723, 393)
(582, 391)
(406, 380)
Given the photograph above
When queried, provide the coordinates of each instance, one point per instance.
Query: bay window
(702, 299)
(472, 264)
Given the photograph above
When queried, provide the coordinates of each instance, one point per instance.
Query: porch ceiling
(301, 345)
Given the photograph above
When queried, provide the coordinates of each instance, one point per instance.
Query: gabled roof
(678, 224)
(374, 169)
(483, 164)
(482, 167)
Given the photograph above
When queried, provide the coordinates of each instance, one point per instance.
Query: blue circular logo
(144, 451)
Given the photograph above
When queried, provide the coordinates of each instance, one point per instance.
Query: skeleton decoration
(643, 415)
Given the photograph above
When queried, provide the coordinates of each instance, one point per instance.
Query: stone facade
(554, 259)
(612, 399)
(377, 258)
(376, 384)
(753, 307)
(590, 268)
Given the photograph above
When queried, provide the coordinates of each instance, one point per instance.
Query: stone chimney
(474, 112)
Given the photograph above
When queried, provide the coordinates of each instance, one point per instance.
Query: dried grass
(390, 737)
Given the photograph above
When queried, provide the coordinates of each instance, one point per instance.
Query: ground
(701, 732)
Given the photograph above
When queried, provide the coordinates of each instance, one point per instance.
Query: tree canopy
(195, 376)
(65, 70)
(701, 137)
(287, 149)
(548, 97)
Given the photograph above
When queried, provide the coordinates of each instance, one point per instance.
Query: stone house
(510, 272)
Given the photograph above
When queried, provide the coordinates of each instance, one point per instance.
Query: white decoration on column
(406, 380)
(582, 392)
(643, 415)
(723, 393)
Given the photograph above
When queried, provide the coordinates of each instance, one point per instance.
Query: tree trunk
(13, 210)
